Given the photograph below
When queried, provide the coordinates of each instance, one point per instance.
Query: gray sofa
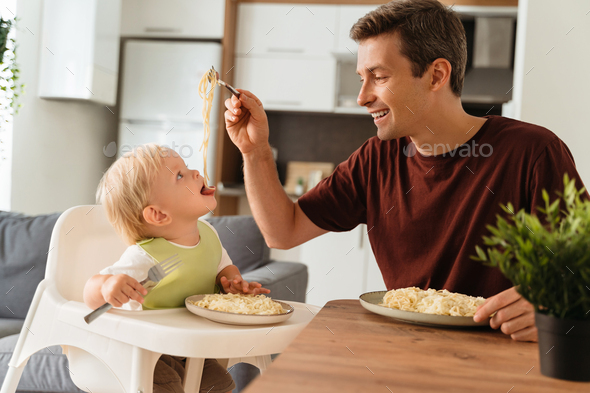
(24, 244)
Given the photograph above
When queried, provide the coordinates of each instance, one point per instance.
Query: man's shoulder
(519, 133)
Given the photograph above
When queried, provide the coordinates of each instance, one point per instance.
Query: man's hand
(246, 122)
(121, 288)
(239, 285)
(514, 315)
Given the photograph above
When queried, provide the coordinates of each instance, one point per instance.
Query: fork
(155, 275)
(227, 86)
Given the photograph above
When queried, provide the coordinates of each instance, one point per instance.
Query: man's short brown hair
(428, 31)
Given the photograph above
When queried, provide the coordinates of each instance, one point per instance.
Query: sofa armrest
(286, 280)
(10, 326)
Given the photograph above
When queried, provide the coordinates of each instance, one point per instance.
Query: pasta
(206, 89)
(240, 304)
(432, 301)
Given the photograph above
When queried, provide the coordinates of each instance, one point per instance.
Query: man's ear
(440, 70)
(154, 216)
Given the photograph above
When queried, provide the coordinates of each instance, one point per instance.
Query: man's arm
(282, 222)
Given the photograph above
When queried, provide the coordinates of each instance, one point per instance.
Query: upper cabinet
(289, 84)
(80, 50)
(296, 29)
(284, 54)
(349, 15)
(173, 18)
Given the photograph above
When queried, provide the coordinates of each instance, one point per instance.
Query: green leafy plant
(9, 71)
(549, 261)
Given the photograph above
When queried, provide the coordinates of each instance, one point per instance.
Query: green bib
(196, 276)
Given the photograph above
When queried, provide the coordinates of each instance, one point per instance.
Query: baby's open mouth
(205, 190)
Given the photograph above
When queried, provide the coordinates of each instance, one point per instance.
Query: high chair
(118, 352)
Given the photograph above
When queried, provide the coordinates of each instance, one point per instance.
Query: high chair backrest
(83, 242)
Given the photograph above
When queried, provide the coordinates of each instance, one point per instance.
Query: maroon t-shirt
(426, 214)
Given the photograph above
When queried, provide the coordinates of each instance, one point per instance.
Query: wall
(57, 145)
(6, 12)
(554, 38)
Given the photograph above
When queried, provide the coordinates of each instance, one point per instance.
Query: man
(431, 180)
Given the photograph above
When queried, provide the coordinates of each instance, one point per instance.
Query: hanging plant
(9, 71)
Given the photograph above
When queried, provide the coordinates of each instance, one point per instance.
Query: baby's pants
(169, 374)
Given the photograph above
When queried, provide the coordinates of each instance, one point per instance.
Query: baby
(154, 202)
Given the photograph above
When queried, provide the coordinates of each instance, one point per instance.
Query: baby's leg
(216, 379)
(168, 375)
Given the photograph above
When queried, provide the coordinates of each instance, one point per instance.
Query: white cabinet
(349, 15)
(341, 265)
(297, 84)
(80, 50)
(297, 29)
(284, 55)
(173, 18)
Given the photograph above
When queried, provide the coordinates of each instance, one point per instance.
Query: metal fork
(155, 275)
(227, 86)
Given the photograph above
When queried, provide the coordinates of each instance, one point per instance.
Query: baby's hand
(239, 285)
(121, 288)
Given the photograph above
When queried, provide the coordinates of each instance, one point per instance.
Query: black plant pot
(564, 347)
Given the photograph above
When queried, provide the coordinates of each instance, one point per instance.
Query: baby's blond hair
(125, 189)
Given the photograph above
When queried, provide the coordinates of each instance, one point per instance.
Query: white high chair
(118, 352)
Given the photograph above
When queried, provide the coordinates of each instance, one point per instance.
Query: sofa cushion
(243, 241)
(24, 243)
(45, 371)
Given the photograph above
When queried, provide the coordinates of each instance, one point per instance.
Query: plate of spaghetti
(239, 309)
(430, 307)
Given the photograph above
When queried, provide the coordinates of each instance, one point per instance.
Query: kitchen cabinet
(286, 29)
(79, 56)
(202, 19)
(289, 84)
(348, 16)
(341, 265)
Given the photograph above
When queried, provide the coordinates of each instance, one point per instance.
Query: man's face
(179, 191)
(394, 97)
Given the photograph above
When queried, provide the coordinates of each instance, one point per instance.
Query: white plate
(238, 319)
(371, 300)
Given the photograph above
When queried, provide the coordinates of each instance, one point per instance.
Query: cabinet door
(289, 84)
(173, 18)
(349, 15)
(286, 29)
(335, 263)
(80, 56)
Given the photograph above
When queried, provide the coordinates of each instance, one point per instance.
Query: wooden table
(349, 349)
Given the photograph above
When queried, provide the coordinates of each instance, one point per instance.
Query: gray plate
(238, 319)
(371, 300)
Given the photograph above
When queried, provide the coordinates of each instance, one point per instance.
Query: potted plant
(547, 258)
(9, 71)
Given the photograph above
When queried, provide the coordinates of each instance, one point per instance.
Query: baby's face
(178, 191)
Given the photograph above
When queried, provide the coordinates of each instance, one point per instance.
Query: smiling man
(433, 177)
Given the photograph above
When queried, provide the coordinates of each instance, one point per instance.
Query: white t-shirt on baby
(135, 262)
